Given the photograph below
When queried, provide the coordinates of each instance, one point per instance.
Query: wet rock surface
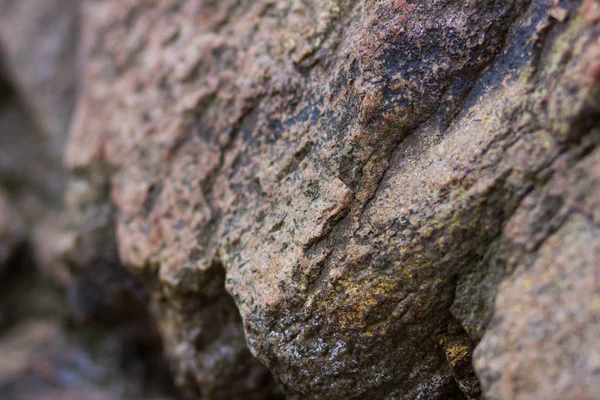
(335, 199)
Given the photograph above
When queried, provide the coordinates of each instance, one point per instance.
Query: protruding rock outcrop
(361, 199)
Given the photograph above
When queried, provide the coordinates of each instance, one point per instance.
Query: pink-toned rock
(351, 173)
(355, 197)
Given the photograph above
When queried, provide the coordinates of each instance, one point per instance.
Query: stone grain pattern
(376, 187)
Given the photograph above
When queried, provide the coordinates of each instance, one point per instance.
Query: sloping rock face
(361, 191)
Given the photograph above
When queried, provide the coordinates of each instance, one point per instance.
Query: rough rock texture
(540, 343)
(361, 176)
(365, 195)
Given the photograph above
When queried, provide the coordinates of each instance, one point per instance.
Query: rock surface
(357, 174)
(364, 199)
(98, 342)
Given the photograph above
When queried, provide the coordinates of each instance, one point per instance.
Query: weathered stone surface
(541, 341)
(361, 176)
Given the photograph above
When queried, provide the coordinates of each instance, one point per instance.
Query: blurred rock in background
(63, 335)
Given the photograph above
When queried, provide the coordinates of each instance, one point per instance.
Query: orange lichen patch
(359, 299)
(456, 352)
(406, 270)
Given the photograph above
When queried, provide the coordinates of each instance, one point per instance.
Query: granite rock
(361, 191)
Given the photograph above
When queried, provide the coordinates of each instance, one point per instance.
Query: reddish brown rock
(541, 341)
(363, 192)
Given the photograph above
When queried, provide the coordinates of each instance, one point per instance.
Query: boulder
(361, 199)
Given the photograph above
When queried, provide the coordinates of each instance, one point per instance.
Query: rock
(42, 361)
(103, 343)
(45, 358)
(38, 74)
(39, 39)
(357, 193)
(539, 344)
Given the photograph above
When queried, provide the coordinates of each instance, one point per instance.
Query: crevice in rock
(209, 327)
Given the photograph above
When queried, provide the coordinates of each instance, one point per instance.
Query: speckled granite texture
(362, 199)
